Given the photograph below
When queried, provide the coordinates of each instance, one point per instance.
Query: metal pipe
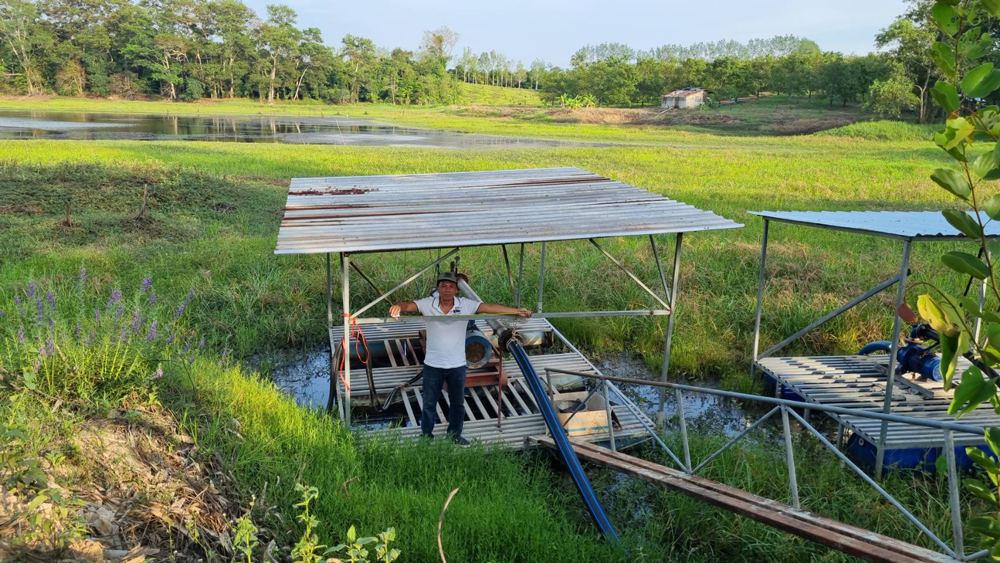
(892, 500)
(628, 404)
(611, 422)
(585, 401)
(729, 444)
(962, 428)
(667, 341)
(897, 325)
(520, 278)
(404, 283)
(953, 500)
(329, 294)
(510, 275)
(831, 315)
(509, 316)
(630, 274)
(541, 278)
(793, 482)
(760, 294)
(659, 265)
(345, 284)
(979, 320)
(684, 429)
(365, 277)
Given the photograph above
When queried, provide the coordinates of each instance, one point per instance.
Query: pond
(327, 130)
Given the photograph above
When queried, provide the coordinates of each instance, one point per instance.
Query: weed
(305, 550)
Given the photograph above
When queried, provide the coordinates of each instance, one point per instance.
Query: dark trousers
(434, 379)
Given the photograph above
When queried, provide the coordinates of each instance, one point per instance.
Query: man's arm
(496, 309)
(402, 307)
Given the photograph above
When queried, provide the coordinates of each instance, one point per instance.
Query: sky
(553, 29)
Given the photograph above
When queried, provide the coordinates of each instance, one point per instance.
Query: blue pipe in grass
(562, 441)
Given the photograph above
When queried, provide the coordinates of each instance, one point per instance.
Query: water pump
(917, 354)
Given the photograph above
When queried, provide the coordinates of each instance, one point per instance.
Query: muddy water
(327, 130)
(306, 377)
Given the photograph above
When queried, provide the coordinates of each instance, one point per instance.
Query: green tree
(909, 43)
(892, 96)
(27, 38)
(280, 39)
(359, 53)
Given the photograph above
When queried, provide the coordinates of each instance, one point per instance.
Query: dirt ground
(140, 495)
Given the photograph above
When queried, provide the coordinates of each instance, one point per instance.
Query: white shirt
(446, 338)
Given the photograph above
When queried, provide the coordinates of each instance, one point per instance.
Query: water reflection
(327, 130)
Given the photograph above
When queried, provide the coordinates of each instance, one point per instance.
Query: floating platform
(859, 382)
(520, 416)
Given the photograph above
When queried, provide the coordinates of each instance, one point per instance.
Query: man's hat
(447, 276)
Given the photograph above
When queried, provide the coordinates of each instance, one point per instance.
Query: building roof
(410, 211)
(906, 225)
(684, 92)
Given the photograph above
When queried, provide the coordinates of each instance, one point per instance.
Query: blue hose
(562, 441)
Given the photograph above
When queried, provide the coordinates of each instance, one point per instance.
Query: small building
(684, 98)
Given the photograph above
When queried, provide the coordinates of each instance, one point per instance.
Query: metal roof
(906, 225)
(684, 92)
(410, 211)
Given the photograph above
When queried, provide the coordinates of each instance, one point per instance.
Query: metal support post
(670, 324)
(979, 320)
(520, 278)
(793, 483)
(684, 430)
(760, 297)
(891, 374)
(634, 278)
(329, 295)
(611, 422)
(953, 500)
(541, 278)
(402, 284)
(345, 283)
(506, 261)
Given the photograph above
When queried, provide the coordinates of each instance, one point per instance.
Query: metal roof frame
(902, 225)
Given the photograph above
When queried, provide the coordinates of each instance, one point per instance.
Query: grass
(214, 209)
(486, 95)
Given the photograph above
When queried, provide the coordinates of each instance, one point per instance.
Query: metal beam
(670, 323)
(404, 283)
(630, 274)
(541, 278)
(829, 316)
(760, 294)
(345, 284)
(520, 278)
(897, 325)
(511, 316)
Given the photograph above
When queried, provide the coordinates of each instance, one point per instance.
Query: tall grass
(884, 130)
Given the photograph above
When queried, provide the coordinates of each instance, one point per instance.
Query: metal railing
(787, 410)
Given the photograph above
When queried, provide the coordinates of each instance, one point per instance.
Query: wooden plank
(837, 535)
(409, 409)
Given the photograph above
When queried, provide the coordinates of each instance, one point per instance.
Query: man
(444, 355)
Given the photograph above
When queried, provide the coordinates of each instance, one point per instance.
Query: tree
(439, 42)
(359, 53)
(280, 40)
(893, 95)
(26, 37)
(909, 42)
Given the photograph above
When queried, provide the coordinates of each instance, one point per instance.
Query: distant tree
(439, 42)
(280, 39)
(894, 95)
(909, 42)
(538, 69)
(27, 38)
(522, 73)
(359, 54)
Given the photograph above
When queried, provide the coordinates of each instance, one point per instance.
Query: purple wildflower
(52, 300)
(158, 374)
(171, 339)
(146, 284)
(32, 288)
(90, 338)
(184, 304)
(187, 347)
(83, 276)
(191, 360)
(50, 347)
(20, 304)
(97, 316)
(201, 345)
(38, 364)
(41, 310)
(118, 312)
(20, 335)
(76, 330)
(116, 295)
(152, 331)
(3, 313)
(136, 321)
(152, 298)
(42, 352)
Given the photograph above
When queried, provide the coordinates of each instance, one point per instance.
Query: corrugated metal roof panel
(910, 225)
(411, 211)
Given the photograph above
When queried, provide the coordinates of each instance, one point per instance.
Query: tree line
(192, 49)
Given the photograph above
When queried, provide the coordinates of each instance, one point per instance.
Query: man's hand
(395, 310)
(522, 312)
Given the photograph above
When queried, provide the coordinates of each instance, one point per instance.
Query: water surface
(326, 130)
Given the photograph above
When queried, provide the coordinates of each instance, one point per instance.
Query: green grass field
(486, 95)
(212, 217)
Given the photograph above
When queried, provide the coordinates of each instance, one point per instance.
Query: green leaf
(992, 207)
(971, 392)
(980, 48)
(931, 312)
(946, 95)
(986, 526)
(944, 58)
(963, 222)
(983, 165)
(993, 440)
(982, 460)
(993, 335)
(952, 347)
(992, 6)
(980, 490)
(952, 181)
(352, 534)
(965, 263)
(36, 502)
(363, 541)
(974, 77)
(946, 18)
(988, 84)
